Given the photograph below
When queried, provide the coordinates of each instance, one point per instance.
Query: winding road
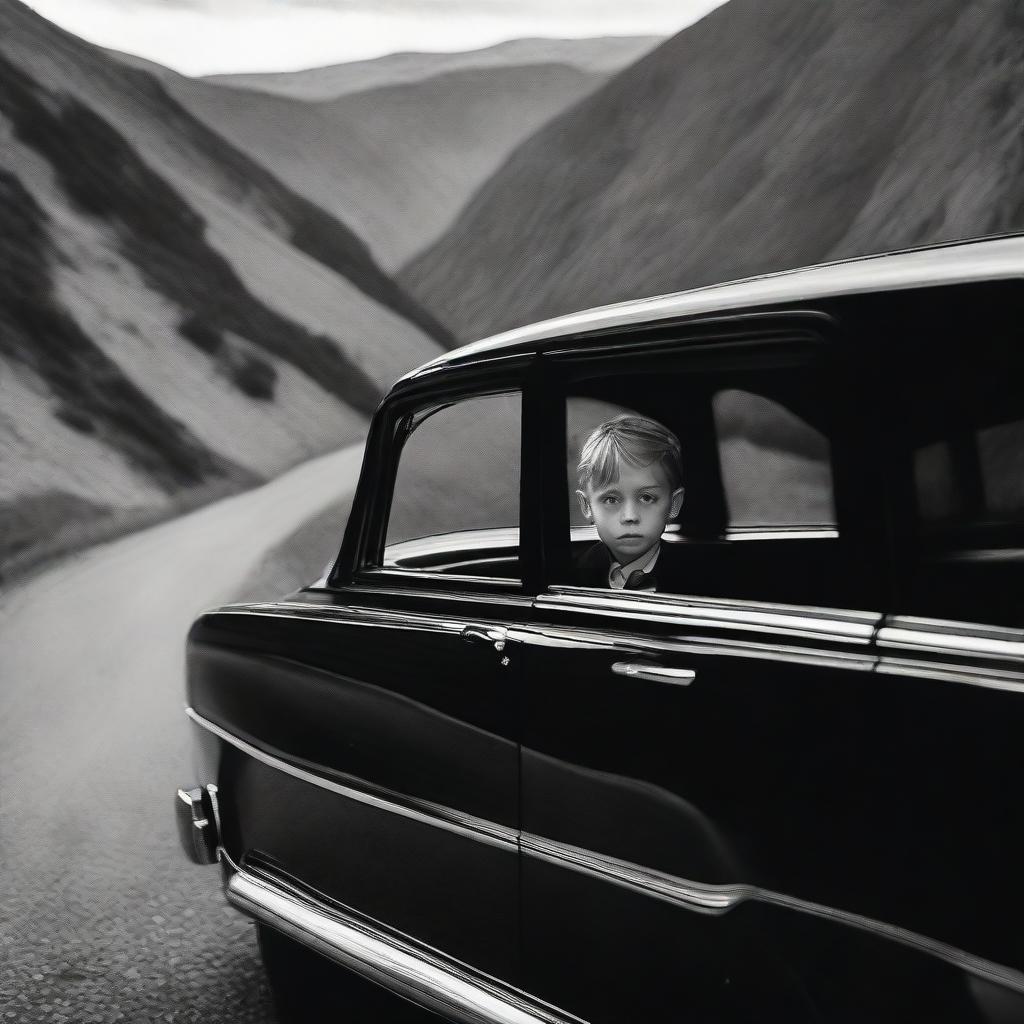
(102, 917)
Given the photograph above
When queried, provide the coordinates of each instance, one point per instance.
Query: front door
(374, 749)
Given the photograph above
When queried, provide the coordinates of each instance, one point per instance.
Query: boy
(630, 486)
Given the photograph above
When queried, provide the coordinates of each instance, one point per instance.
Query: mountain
(761, 137)
(395, 163)
(175, 323)
(600, 55)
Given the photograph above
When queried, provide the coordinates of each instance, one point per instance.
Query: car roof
(996, 258)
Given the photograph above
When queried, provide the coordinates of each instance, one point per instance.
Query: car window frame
(745, 340)
(360, 562)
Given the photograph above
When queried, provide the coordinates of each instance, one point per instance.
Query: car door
(372, 724)
(700, 793)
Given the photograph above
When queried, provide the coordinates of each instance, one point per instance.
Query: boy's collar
(645, 562)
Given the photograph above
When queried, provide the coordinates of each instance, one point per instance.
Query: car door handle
(494, 635)
(654, 673)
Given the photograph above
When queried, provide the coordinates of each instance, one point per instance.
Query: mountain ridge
(868, 126)
(601, 55)
(395, 162)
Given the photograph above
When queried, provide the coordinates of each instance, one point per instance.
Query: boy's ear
(677, 502)
(581, 497)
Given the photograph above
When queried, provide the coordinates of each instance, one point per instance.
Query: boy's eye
(609, 499)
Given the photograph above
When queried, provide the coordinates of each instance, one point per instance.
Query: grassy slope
(868, 125)
(398, 162)
(164, 237)
(93, 396)
(601, 55)
(113, 195)
(188, 151)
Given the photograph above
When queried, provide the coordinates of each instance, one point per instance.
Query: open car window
(758, 519)
(455, 503)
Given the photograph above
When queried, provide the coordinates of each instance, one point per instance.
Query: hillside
(174, 322)
(601, 55)
(395, 163)
(867, 126)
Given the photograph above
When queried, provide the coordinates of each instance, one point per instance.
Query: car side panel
(373, 758)
(791, 822)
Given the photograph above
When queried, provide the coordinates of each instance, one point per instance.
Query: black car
(793, 790)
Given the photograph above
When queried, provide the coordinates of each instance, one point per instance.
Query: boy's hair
(635, 440)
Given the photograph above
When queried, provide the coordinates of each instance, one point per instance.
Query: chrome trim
(462, 596)
(654, 673)
(938, 637)
(423, 976)
(712, 613)
(672, 534)
(353, 614)
(695, 896)
(461, 540)
(971, 675)
(567, 638)
(784, 533)
(390, 573)
(958, 263)
(423, 811)
(626, 644)
(720, 899)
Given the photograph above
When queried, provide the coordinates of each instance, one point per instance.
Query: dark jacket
(674, 573)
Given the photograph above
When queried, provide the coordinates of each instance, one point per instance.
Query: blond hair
(635, 440)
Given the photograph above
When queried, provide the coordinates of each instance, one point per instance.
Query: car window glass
(776, 468)
(458, 482)
(1001, 454)
(965, 426)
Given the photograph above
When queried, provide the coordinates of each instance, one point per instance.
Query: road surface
(102, 918)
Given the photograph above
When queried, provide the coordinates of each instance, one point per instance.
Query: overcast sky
(208, 36)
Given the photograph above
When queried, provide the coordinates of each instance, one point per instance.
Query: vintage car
(793, 792)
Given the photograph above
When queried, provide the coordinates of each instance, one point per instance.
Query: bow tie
(640, 580)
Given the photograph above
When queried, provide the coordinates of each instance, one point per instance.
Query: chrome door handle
(495, 635)
(654, 673)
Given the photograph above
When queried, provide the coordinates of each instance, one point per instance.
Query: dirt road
(102, 918)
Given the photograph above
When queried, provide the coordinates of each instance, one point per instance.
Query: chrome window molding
(673, 535)
(423, 811)
(623, 644)
(452, 543)
(714, 613)
(421, 975)
(952, 638)
(418, 575)
(783, 533)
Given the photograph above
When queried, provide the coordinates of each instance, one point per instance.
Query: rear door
(710, 779)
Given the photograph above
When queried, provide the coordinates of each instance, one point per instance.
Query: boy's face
(630, 513)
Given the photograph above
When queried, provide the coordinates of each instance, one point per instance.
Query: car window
(758, 515)
(455, 503)
(776, 468)
(966, 435)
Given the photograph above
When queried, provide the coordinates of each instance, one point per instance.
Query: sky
(200, 37)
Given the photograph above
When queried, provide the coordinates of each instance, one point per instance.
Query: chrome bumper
(423, 977)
